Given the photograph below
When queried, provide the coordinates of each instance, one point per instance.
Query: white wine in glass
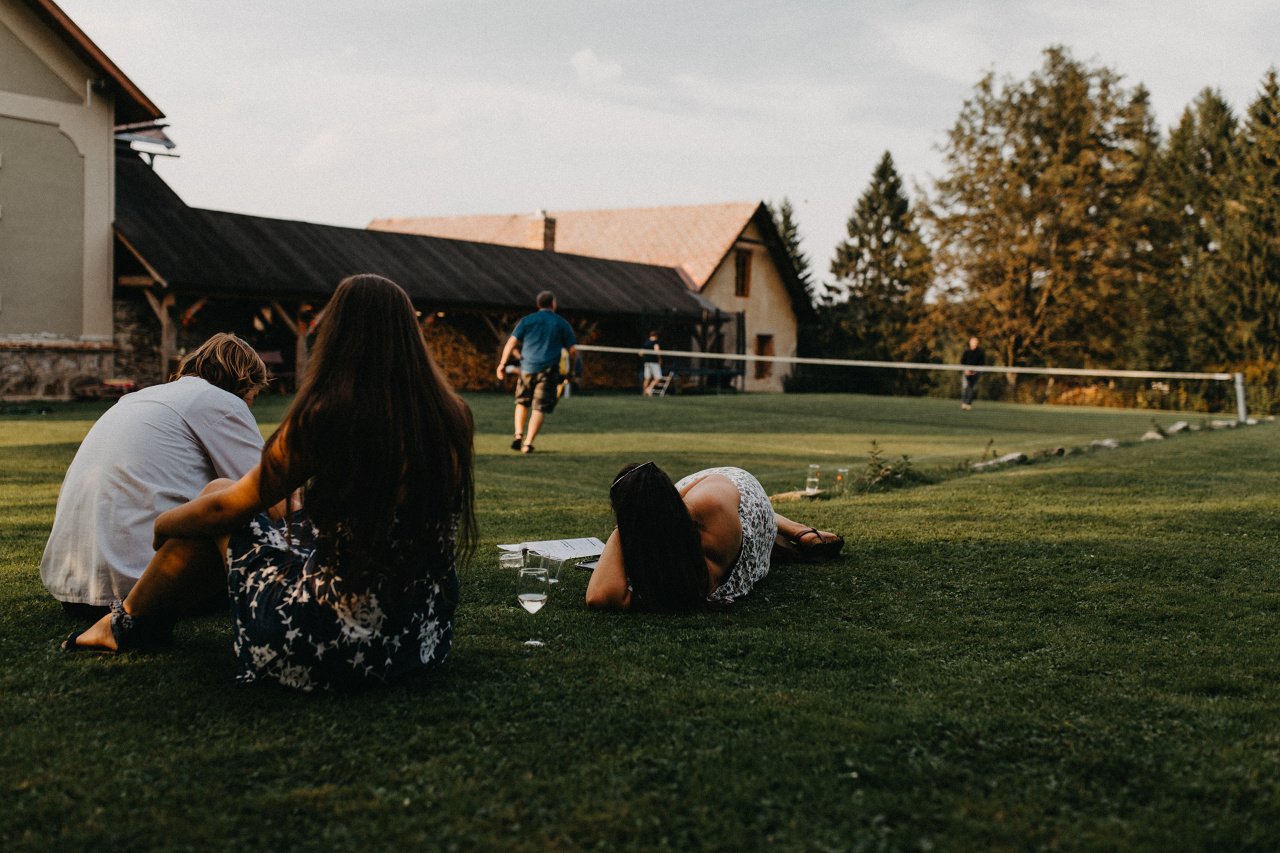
(532, 588)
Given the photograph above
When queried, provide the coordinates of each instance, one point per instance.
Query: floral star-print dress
(759, 527)
(295, 626)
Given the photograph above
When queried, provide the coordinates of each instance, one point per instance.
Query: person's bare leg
(535, 423)
(522, 415)
(792, 532)
(181, 572)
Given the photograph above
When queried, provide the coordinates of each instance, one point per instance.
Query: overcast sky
(340, 112)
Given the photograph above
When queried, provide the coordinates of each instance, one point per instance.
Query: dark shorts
(538, 390)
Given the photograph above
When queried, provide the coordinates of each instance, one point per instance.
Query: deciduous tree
(1045, 215)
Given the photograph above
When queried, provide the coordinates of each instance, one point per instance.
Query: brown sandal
(827, 547)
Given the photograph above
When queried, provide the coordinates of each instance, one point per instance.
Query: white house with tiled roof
(731, 254)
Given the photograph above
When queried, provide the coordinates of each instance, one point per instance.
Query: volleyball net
(1159, 383)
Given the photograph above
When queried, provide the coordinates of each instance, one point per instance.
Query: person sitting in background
(153, 450)
(704, 541)
(358, 588)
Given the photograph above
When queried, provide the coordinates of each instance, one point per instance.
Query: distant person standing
(969, 379)
(541, 336)
(652, 363)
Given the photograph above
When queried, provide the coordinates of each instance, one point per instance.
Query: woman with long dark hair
(701, 542)
(357, 586)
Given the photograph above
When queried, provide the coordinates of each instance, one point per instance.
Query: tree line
(1066, 230)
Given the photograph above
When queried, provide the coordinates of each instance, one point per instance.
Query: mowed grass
(1076, 654)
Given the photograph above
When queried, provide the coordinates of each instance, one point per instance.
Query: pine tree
(1185, 327)
(1251, 233)
(784, 219)
(882, 273)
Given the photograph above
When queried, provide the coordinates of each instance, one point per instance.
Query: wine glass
(532, 588)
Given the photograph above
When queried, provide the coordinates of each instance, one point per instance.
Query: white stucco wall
(767, 306)
(85, 117)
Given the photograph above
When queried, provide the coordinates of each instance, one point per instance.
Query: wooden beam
(502, 339)
(301, 330)
(168, 329)
(159, 278)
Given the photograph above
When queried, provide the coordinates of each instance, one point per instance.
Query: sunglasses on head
(624, 474)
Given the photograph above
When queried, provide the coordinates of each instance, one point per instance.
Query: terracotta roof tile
(691, 239)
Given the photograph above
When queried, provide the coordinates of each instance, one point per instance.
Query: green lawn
(1075, 654)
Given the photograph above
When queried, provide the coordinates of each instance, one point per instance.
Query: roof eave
(800, 302)
(135, 106)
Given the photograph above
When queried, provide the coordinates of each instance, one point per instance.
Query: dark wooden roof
(234, 255)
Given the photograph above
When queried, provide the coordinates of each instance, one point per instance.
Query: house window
(742, 272)
(764, 346)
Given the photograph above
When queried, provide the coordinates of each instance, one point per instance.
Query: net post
(1242, 407)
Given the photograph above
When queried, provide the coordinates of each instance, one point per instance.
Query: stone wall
(137, 339)
(44, 367)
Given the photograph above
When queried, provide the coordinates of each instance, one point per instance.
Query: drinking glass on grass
(553, 565)
(511, 559)
(532, 588)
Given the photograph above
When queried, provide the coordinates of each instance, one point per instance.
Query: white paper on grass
(561, 549)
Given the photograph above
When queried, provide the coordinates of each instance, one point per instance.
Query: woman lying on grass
(703, 541)
(359, 587)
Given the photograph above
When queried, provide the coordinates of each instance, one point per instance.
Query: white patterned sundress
(294, 625)
(759, 528)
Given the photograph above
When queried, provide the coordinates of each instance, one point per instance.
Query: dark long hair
(661, 544)
(382, 434)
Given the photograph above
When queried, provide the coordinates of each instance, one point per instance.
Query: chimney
(541, 233)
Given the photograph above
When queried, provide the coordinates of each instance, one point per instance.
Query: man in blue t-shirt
(541, 336)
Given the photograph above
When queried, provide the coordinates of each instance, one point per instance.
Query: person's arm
(506, 354)
(607, 589)
(570, 342)
(220, 512)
